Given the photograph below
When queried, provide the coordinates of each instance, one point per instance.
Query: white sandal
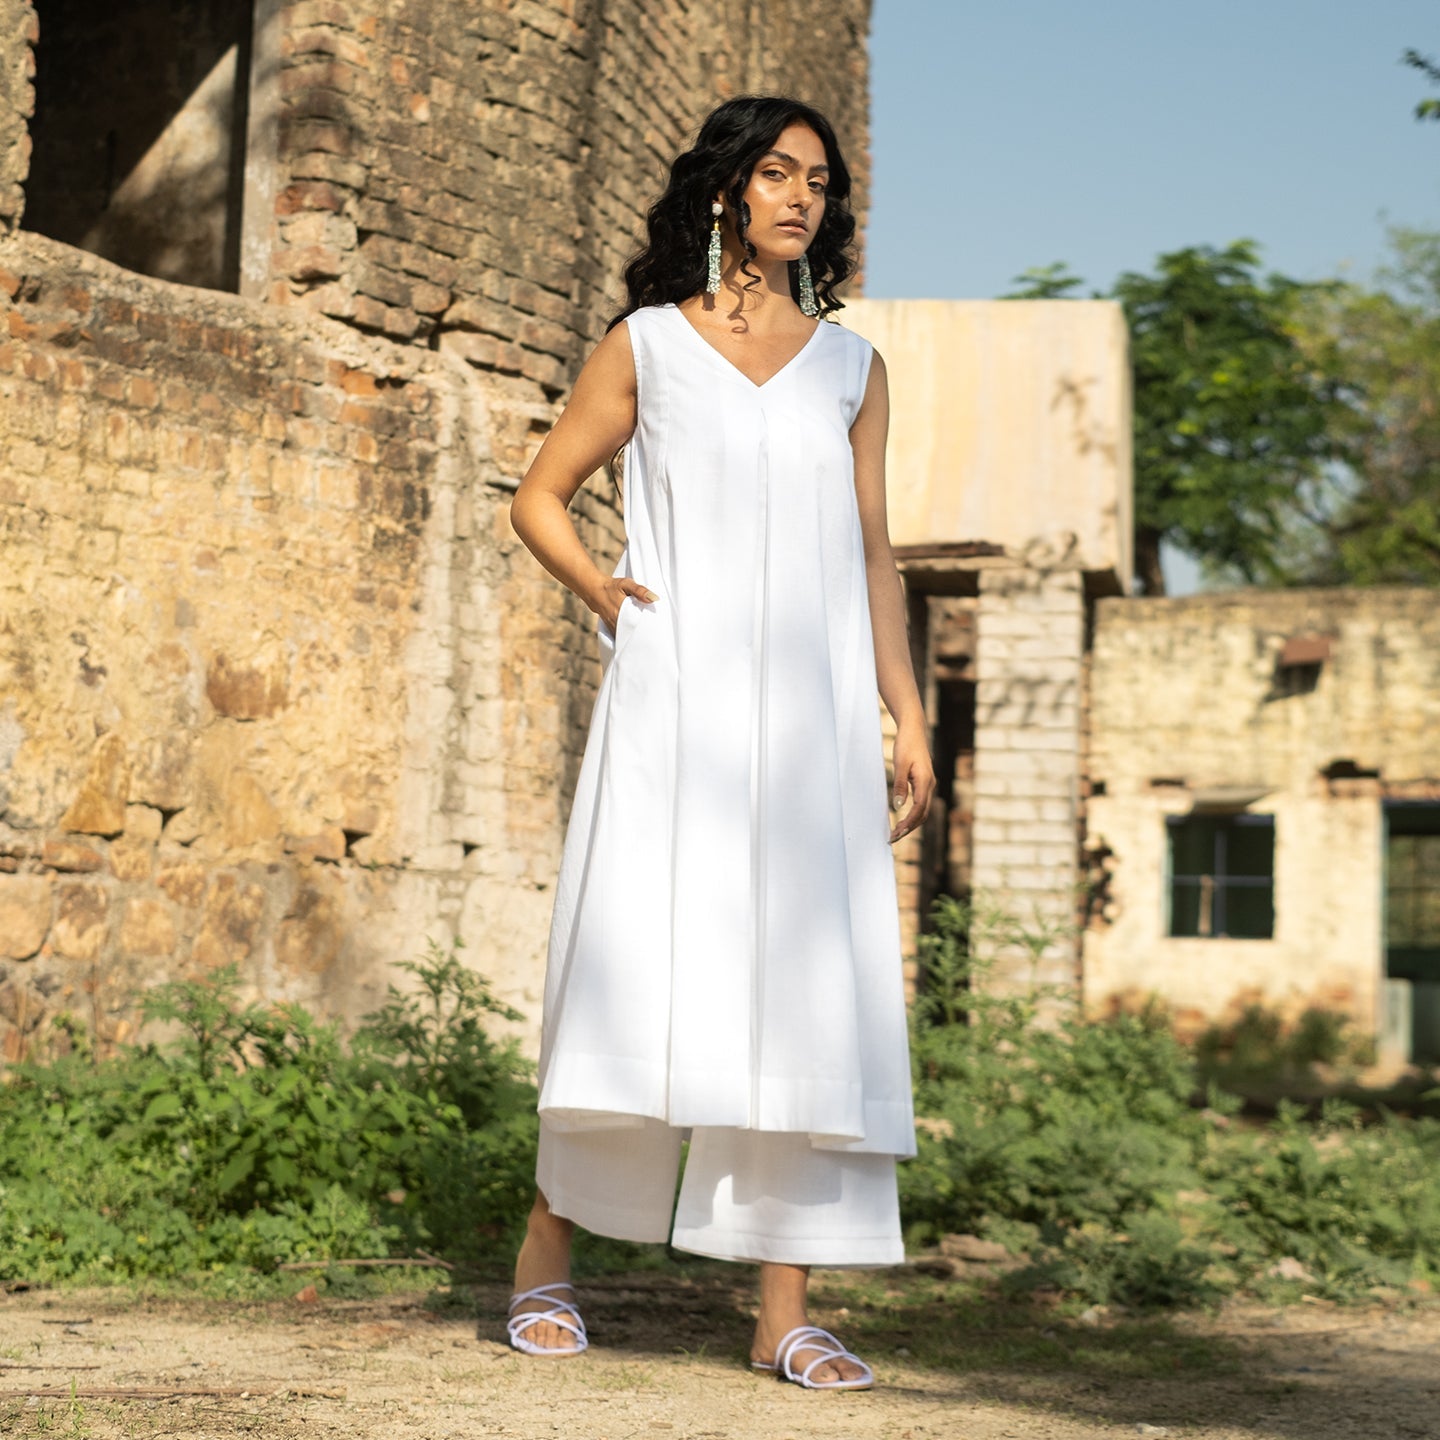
(812, 1337)
(561, 1312)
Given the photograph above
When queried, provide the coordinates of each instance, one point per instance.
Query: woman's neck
(741, 292)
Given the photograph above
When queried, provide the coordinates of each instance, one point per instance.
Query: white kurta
(725, 945)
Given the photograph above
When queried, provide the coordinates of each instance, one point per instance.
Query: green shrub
(1259, 1047)
(259, 1136)
(1068, 1139)
(1091, 1147)
(1354, 1205)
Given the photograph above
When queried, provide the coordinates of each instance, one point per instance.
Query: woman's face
(786, 194)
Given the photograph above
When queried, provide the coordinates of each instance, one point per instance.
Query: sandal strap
(542, 1292)
(812, 1337)
(560, 1311)
(517, 1325)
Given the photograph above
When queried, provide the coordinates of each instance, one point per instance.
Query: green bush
(1091, 1147)
(1259, 1048)
(259, 1136)
(1353, 1205)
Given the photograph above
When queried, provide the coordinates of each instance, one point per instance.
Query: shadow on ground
(1304, 1372)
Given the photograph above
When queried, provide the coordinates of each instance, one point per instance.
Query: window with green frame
(1222, 876)
(1412, 891)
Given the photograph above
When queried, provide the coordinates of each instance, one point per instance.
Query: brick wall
(277, 685)
(18, 31)
(1030, 646)
(472, 176)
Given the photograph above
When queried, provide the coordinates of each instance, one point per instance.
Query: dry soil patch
(668, 1364)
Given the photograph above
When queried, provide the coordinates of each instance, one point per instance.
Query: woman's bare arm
(914, 773)
(599, 419)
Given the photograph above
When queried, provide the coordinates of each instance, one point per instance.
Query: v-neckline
(732, 366)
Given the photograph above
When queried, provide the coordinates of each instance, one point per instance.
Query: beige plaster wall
(1010, 423)
(1187, 702)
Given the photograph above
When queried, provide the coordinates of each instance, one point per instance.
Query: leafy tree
(1045, 282)
(1231, 418)
(1382, 346)
(1424, 109)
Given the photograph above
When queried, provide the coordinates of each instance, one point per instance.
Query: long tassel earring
(807, 287)
(712, 273)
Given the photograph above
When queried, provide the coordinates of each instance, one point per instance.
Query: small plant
(1259, 1048)
(259, 1135)
(1099, 1150)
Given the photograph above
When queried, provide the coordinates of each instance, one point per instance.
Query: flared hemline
(862, 1252)
(571, 1120)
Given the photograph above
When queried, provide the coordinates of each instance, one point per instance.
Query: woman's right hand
(607, 601)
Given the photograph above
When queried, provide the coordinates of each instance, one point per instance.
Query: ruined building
(292, 291)
(1264, 777)
(1223, 801)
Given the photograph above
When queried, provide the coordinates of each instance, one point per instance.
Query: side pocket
(626, 621)
(612, 642)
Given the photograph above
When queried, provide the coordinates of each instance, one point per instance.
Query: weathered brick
(232, 502)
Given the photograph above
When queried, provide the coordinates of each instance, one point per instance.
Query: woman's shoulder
(644, 314)
(860, 356)
(857, 343)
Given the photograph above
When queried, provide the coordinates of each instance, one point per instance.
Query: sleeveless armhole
(620, 469)
(637, 354)
(862, 354)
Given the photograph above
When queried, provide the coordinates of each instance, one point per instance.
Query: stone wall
(473, 174)
(18, 32)
(1191, 706)
(276, 685)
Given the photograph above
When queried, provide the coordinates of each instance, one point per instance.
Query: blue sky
(1011, 133)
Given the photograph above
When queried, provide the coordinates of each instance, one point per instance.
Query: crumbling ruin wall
(278, 687)
(1193, 709)
(472, 174)
(19, 30)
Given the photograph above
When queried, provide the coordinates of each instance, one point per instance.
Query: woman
(724, 957)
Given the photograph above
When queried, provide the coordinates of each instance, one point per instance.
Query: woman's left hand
(914, 780)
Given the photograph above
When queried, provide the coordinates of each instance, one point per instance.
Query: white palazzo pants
(753, 1195)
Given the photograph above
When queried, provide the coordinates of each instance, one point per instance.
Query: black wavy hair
(734, 136)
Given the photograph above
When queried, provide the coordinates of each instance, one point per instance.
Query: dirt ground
(668, 1364)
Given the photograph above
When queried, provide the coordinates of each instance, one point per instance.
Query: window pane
(1427, 917)
(1249, 912)
(1250, 849)
(1400, 861)
(1399, 918)
(1192, 846)
(1185, 908)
